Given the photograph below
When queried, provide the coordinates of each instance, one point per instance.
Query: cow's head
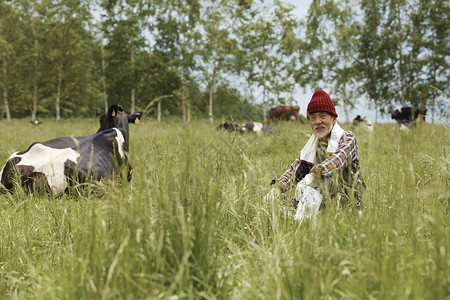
(395, 113)
(118, 118)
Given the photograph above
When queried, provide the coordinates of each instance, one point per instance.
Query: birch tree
(265, 65)
(217, 48)
(332, 30)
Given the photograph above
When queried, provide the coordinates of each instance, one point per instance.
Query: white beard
(321, 135)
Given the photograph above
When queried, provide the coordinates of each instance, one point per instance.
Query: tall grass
(192, 223)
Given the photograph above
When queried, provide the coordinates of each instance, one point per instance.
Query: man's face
(321, 123)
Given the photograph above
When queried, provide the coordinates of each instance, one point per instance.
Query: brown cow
(283, 112)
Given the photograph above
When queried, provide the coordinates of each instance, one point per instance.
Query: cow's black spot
(71, 172)
(9, 173)
(35, 181)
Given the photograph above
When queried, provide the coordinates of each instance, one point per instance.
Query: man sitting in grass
(328, 165)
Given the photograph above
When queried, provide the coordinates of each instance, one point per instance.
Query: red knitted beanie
(320, 101)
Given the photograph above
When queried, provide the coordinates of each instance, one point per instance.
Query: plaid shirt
(344, 158)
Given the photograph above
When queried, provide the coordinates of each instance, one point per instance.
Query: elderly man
(328, 165)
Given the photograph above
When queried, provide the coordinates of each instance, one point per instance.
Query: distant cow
(283, 112)
(358, 120)
(230, 126)
(254, 127)
(257, 127)
(36, 122)
(408, 115)
(363, 122)
(52, 165)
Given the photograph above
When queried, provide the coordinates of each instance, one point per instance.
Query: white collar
(308, 152)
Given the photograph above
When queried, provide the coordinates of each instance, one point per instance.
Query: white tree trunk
(132, 81)
(105, 95)
(264, 89)
(35, 76)
(183, 83)
(344, 91)
(213, 76)
(344, 99)
(58, 94)
(400, 58)
(5, 92)
(159, 111)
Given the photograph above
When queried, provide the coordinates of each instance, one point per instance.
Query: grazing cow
(36, 122)
(363, 122)
(53, 165)
(358, 120)
(408, 116)
(283, 112)
(230, 126)
(255, 127)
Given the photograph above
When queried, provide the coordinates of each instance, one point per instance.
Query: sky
(303, 97)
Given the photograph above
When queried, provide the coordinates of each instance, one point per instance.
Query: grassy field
(192, 223)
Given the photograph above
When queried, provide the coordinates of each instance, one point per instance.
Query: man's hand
(272, 194)
(301, 186)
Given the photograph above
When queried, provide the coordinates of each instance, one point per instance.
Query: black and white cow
(358, 120)
(230, 126)
(408, 115)
(255, 127)
(54, 165)
(363, 122)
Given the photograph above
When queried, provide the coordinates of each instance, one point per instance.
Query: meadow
(192, 223)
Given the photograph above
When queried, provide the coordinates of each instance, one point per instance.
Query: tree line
(218, 58)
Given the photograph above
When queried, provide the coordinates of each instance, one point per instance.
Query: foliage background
(219, 59)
